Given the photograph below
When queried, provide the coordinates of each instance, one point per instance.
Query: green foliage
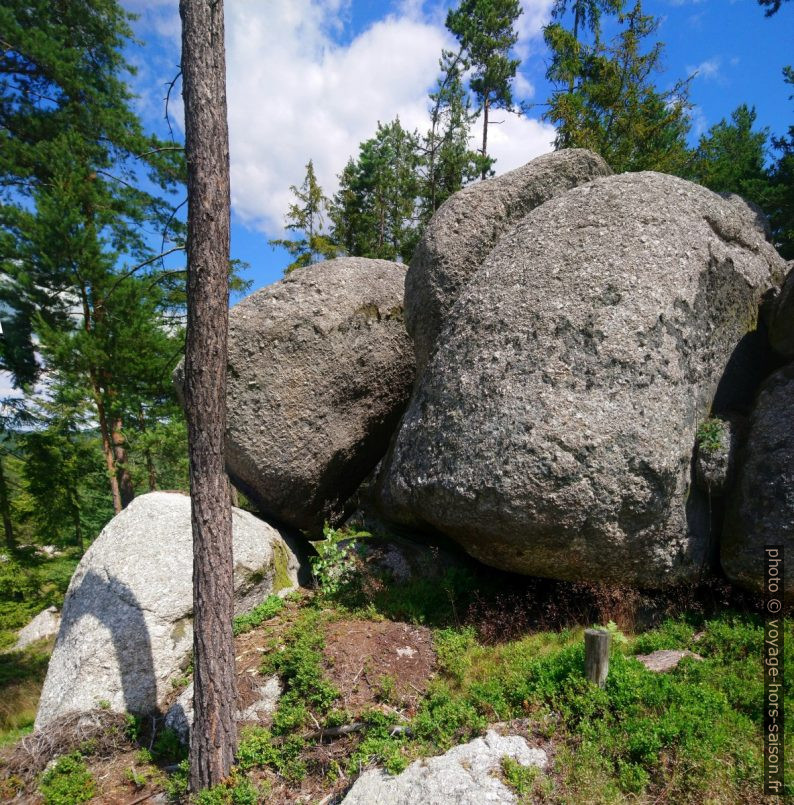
(167, 748)
(710, 434)
(260, 749)
(306, 217)
(335, 563)
(237, 790)
(178, 783)
(67, 782)
(375, 209)
(522, 779)
(268, 609)
(486, 32)
(605, 100)
(380, 745)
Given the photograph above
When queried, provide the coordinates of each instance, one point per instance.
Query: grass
(268, 609)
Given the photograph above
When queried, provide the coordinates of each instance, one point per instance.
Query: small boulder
(466, 775)
(467, 226)
(42, 627)
(127, 616)
(179, 717)
(664, 660)
(552, 431)
(760, 513)
(320, 370)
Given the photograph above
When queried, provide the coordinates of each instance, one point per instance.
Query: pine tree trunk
(107, 447)
(5, 510)
(126, 489)
(213, 737)
(484, 136)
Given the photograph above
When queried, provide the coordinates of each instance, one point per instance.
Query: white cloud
(298, 90)
(708, 70)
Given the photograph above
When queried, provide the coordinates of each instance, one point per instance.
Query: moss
(281, 577)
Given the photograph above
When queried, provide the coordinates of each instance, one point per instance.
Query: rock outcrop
(320, 370)
(715, 458)
(781, 324)
(127, 629)
(467, 226)
(45, 625)
(466, 775)
(552, 431)
(761, 511)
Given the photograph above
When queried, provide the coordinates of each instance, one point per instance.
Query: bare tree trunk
(484, 136)
(213, 737)
(126, 489)
(5, 510)
(107, 446)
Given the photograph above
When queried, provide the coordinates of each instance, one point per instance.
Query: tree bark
(5, 510)
(126, 488)
(484, 136)
(213, 737)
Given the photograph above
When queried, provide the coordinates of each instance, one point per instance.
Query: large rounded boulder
(126, 629)
(761, 512)
(552, 432)
(320, 370)
(465, 228)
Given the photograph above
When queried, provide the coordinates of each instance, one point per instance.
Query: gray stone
(664, 660)
(467, 226)
(552, 432)
(320, 369)
(760, 513)
(42, 627)
(715, 455)
(127, 616)
(466, 775)
(179, 717)
(781, 322)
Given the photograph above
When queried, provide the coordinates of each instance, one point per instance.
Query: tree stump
(596, 655)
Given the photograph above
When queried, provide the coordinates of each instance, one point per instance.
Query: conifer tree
(305, 216)
(486, 32)
(73, 157)
(605, 98)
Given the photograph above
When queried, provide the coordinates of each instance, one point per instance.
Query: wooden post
(596, 655)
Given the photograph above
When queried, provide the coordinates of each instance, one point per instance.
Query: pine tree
(730, 157)
(447, 162)
(306, 217)
(374, 213)
(213, 736)
(779, 202)
(614, 107)
(486, 33)
(72, 158)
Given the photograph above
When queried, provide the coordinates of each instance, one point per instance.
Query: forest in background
(90, 204)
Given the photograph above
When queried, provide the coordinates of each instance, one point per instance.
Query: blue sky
(311, 78)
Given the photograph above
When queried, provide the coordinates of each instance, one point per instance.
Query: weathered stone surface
(179, 717)
(761, 509)
(781, 323)
(466, 775)
(43, 626)
(716, 454)
(467, 226)
(552, 431)
(127, 615)
(665, 660)
(320, 369)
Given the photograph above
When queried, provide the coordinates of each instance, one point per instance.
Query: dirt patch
(379, 661)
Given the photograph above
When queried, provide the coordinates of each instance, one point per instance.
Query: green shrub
(67, 782)
(236, 791)
(268, 609)
(334, 566)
